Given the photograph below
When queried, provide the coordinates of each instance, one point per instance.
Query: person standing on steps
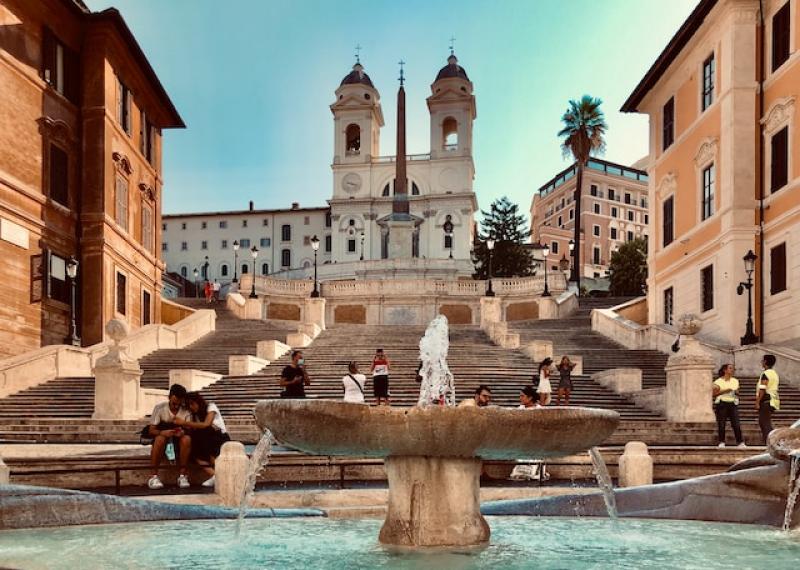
(544, 389)
(726, 404)
(565, 368)
(294, 377)
(380, 377)
(216, 288)
(767, 399)
(354, 383)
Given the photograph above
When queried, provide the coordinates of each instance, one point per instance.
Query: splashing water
(794, 488)
(258, 461)
(436, 387)
(604, 482)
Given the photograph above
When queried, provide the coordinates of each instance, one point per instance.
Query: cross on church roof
(358, 52)
(402, 77)
(453, 45)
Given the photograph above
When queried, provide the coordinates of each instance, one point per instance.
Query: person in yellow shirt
(726, 404)
(767, 399)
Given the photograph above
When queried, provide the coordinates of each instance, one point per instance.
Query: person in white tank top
(354, 383)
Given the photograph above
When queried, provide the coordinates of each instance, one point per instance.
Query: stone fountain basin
(330, 427)
(782, 442)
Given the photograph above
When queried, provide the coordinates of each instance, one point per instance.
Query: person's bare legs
(567, 392)
(185, 453)
(207, 467)
(558, 397)
(543, 399)
(157, 452)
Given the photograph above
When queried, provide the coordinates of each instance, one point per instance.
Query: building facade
(81, 120)
(614, 210)
(205, 242)
(724, 168)
(440, 183)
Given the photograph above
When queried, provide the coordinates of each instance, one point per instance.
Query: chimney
(251, 206)
(295, 205)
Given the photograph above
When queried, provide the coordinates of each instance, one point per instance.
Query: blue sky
(253, 80)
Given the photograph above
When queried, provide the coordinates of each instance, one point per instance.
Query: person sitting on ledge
(482, 398)
(294, 377)
(167, 436)
(528, 399)
(208, 432)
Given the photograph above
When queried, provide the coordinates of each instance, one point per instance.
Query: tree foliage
(628, 269)
(509, 230)
(583, 133)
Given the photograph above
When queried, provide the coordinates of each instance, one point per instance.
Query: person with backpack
(354, 383)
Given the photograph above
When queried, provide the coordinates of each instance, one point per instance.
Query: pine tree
(509, 230)
(628, 269)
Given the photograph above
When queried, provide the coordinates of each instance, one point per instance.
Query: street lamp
(490, 247)
(546, 252)
(205, 269)
(254, 253)
(448, 232)
(235, 259)
(72, 273)
(750, 337)
(362, 246)
(573, 276)
(315, 247)
(195, 272)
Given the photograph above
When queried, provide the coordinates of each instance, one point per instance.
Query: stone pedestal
(548, 308)
(620, 380)
(230, 473)
(298, 340)
(315, 312)
(491, 311)
(192, 379)
(117, 375)
(538, 350)
(271, 349)
(434, 501)
(400, 238)
(245, 364)
(635, 465)
(690, 375)
(5, 473)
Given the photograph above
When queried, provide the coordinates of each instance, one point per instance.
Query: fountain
(433, 454)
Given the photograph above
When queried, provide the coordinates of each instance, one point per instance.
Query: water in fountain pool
(517, 543)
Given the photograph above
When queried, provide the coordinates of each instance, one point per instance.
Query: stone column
(230, 473)
(116, 379)
(548, 308)
(689, 377)
(635, 465)
(315, 312)
(434, 501)
(491, 311)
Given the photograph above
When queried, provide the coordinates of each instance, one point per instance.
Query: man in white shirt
(164, 432)
(216, 287)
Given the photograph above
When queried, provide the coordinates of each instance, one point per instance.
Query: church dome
(452, 69)
(357, 76)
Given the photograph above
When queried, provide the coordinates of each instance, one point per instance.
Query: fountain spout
(437, 380)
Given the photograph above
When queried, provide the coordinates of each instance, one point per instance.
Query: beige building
(614, 210)
(724, 168)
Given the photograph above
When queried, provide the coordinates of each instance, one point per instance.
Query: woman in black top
(294, 378)
(565, 368)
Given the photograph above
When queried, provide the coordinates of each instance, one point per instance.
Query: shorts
(380, 386)
(207, 442)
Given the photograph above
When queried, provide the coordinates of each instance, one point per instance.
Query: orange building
(724, 168)
(81, 116)
(614, 209)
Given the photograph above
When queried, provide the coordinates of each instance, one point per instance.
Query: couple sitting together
(186, 427)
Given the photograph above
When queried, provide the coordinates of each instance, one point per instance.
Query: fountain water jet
(604, 482)
(258, 461)
(794, 488)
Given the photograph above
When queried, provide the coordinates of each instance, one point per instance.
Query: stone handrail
(62, 361)
(272, 286)
(534, 284)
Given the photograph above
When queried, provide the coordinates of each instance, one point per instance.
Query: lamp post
(72, 273)
(750, 337)
(235, 259)
(448, 232)
(546, 252)
(490, 247)
(195, 272)
(572, 260)
(315, 247)
(254, 253)
(205, 269)
(362, 247)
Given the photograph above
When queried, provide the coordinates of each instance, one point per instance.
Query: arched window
(184, 271)
(386, 190)
(450, 133)
(411, 183)
(353, 136)
(286, 258)
(306, 264)
(414, 189)
(265, 269)
(245, 268)
(223, 270)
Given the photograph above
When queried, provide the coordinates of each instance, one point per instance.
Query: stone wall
(457, 314)
(524, 311)
(352, 314)
(283, 311)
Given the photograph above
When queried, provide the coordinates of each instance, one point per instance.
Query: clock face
(351, 182)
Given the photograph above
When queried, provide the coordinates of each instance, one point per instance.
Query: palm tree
(583, 135)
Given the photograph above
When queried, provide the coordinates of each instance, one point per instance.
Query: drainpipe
(760, 183)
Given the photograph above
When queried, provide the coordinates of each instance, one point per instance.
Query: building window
(560, 222)
(777, 269)
(121, 202)
(593, 189)
(265, 222)
(265, 269)
(596, 208)
(123, 106)
(328, 219)
(351, 245)
(328, 244)
(184, 246)
(708, 81)
(244, 223)
(121, 293)
(627, 198)
(204, 245)
(668, 124)
(779, 167)
(630, 236)
(614, 212)
(669, 301)
(286, 232)
(59, 175)
(164, 227)
(265, 242)
(646, 218)
(780, 36)
(145, 308)
(306, 220)
(223, 270)
(554, 247)
(707, 284)
(572, 214)
(60, 67)
(164, 246)
(244, 243)
(708, 191)
(667, 225)
(630, 215)
(596, 231)
(245, 268)
(57, 288)
(596, 256)
(147, 226)
(307, 241)
(286, 258)
(611, 195)
(224, 244)
(184, 271)
(353, 140)
(613, 233)
(223, 224)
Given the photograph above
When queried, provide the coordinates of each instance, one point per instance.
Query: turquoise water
(311, 544)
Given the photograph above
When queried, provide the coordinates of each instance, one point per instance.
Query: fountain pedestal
(434, 501)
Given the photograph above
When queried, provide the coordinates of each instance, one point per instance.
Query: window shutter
(777, 262)
(59, 176)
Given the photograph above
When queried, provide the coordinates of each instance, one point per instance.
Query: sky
(253, 81)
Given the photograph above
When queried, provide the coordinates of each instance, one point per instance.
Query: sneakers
(155, 483)
(721, 444)
(208, 482)
(183, 482)
(743, 444)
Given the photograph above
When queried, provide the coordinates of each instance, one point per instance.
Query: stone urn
(433, 455)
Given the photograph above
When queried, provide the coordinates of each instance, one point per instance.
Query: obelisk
(401, 225)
